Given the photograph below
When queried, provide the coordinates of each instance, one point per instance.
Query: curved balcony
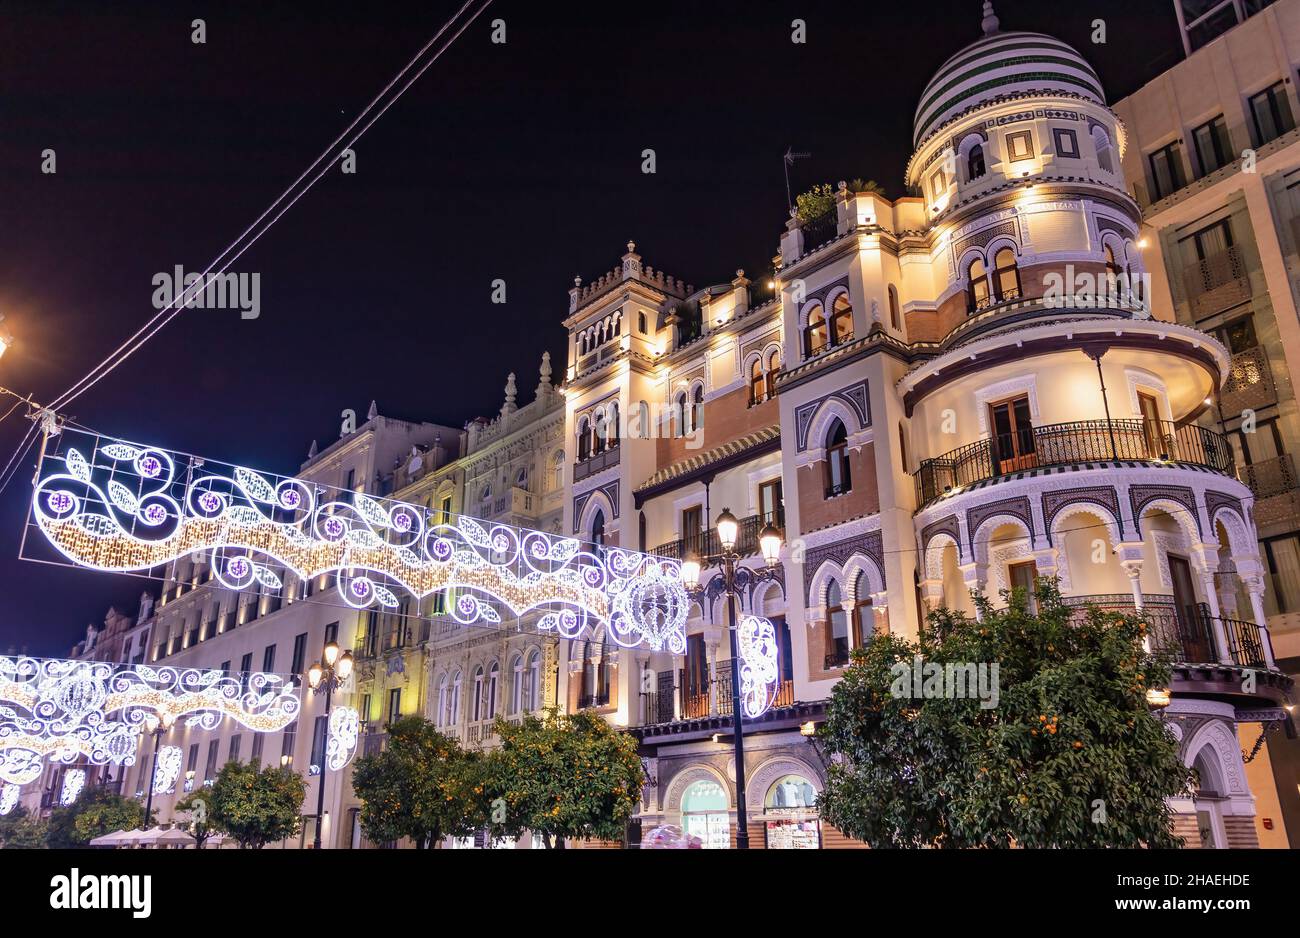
(1063, 444)
(1184, 633)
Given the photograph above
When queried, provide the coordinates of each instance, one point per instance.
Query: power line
(348, 138)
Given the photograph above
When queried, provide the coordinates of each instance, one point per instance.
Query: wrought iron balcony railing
(695, 700)
(820, 230)
(1184, 632)
(705, 543)
(1070, 443)
(1271, 477)
(1217, 282)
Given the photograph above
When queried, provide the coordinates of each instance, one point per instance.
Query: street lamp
(329, 675)
(165, 721)
(728, 559)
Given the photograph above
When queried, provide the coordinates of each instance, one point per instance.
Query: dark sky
(519, 161)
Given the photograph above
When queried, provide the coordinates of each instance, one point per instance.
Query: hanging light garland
(344, 726)
(168, 771)
(116, 506)
(64, 710)
(9, 798)
(756, 645)
(74, 780)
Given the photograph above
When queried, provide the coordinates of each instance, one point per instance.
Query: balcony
(1185, 634)
(1064, 444)
(1217, 282)
(820, 230)
(1250, 383)
(696, 701)
(705, 543)
(594, 464)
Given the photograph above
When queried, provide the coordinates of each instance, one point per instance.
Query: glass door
(1151, 428)
(1013, 435)
(1023, 577)
(1193, 629)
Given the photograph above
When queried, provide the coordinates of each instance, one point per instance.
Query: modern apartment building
(1214, 162)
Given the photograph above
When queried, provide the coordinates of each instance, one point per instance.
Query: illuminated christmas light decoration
(168, 770)
(9, 798)
(341, 746)
(127, 507)
(756, 645)
(74, 780)
(62, 710)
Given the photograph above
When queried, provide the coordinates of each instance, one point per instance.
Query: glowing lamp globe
(691, 571)
(314, 674)
(769, 541)
(331, 654)
(344, 669)
(728, 528)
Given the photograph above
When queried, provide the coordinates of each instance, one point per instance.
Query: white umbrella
(173, 838)
(138, 838)
(109, 840)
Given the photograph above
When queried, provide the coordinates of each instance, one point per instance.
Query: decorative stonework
(948, 525)
(1017, 507)
(1216, 500)
(1104, 496)
(855, 396)
(841, 553)
(980, 239)
(1142, 495)
(1166, 541)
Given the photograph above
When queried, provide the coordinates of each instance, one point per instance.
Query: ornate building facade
(958, 390)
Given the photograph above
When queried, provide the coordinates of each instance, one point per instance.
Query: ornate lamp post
(769, 539)
(329, 673)
(165, 721)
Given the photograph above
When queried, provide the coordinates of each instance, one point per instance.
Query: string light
(65, 710)
(9, 798)
(377, 548)
(74, 780)
(756, 645)
(168, 770)
(344, 726)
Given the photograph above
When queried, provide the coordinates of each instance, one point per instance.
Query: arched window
(476, 707)
(456, 688)
(1006, 277)
(493, 685)
(643, 420)
(516, 684)
(533, 686)
(978, 291)
(838, 477)
(705, 814)
(815, 336)
(443, 712)
(895, 321)
(521, 477)
(598, 528)
(599, 432)
(611, 425)
(757, 386)
(584, 438)
(837, 634)
(1101, 142)
(773, 366)
(557, 469)
(842, 320)
(975, 163)
(697, 408)
(679, 415)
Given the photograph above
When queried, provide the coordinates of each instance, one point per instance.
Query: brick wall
(817, 511)
(726, 418)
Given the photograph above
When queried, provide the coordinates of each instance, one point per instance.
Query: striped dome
(1002, 63)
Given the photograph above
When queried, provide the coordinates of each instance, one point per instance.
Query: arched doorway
(705, 814)
(790, 815)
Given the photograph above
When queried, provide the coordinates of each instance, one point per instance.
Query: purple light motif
(402, 521)
(210, 502)
(238, 567)
(155, 514)
(149, 466)
(290, 498)
(441, 549)
(360, 588)
(333, 528)
(59, 502)
(466, 604)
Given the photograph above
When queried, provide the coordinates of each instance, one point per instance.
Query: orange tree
(563, 775)
(422, 785)
(256, 806)
(1062, 752)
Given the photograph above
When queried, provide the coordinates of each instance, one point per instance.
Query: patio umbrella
(174, 838)
(109, 840)
(138, 838)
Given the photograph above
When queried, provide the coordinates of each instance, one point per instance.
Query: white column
(642, 660)
(1216, 618)
(679, 662)
(1255, 589)
(974, 575)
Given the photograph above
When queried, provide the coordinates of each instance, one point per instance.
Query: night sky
(519, 161)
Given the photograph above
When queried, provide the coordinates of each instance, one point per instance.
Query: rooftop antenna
(790, 157)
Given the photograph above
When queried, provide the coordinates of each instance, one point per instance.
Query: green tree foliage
(20, 830)
(562, 776)
(423, 785)
(198, 805)
(815, 203)
(256, 806)
(867, 186)
(1071, 756)
(97, 811)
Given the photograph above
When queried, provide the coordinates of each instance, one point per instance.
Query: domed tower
(1058, 426)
